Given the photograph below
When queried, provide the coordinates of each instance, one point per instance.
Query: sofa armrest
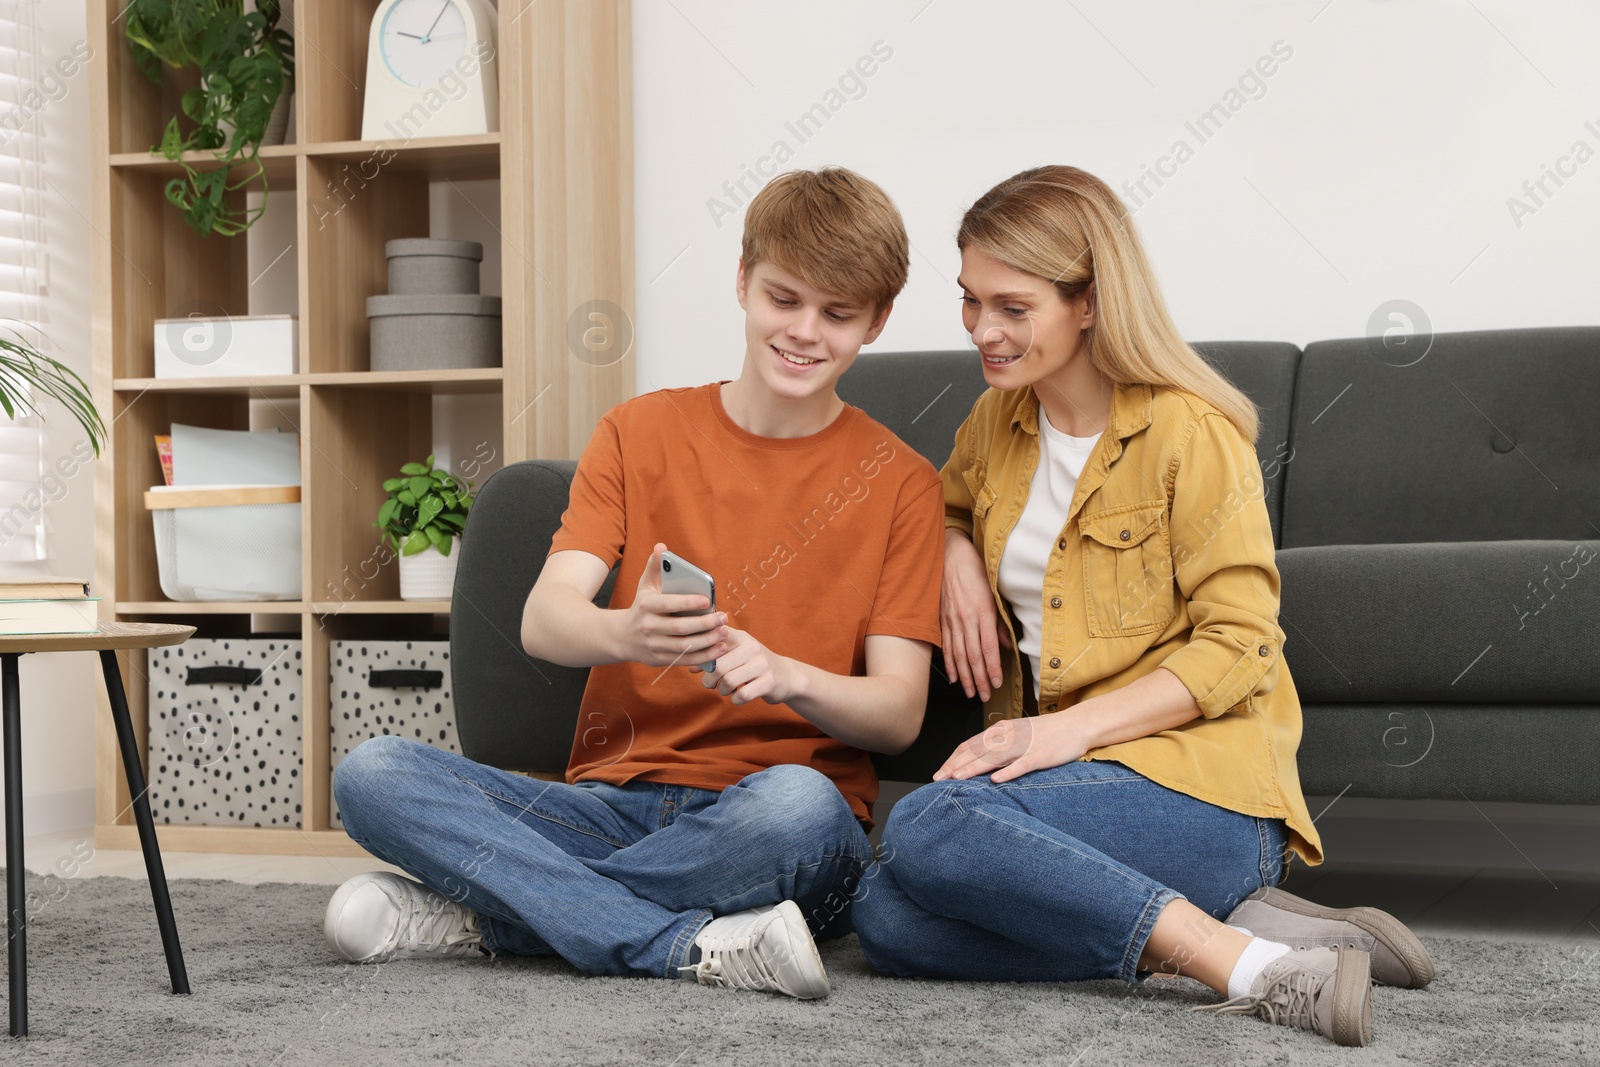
(513, 710)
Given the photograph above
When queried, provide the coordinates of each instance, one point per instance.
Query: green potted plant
(421, 520)
(24, 370)
(246, 65)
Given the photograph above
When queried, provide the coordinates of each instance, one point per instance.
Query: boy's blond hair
(835, 230)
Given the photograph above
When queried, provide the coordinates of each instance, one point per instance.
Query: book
(42, 587)
(59, 616)
(164, 453)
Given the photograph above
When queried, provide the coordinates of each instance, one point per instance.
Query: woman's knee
(866, 912)
(874, 913)
(924, 817)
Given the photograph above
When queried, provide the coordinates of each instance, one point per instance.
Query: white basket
(368, 696)
(227, 542)
(225, 737)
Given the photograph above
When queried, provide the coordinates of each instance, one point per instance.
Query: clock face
(422, 39)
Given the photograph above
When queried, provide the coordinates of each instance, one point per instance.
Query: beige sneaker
(1326, 990)
(767, 949)
(379, 915)
(1398, 958)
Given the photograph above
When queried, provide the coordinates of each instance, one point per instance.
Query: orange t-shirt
(814, 543)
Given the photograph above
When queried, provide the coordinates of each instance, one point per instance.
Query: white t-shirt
(1022, 563)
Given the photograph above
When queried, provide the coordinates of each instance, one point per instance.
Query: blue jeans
(614, 879)
(1056, 876)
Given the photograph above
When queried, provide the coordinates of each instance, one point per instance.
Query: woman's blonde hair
(1066, 225)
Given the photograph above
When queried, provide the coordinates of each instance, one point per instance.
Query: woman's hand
(749, 670)
(1013, 747)
(969, 619)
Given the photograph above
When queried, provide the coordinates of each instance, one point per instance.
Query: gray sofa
(1438, 533)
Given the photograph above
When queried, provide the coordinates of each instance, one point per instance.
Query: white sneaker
(767, 949)
(381, 916)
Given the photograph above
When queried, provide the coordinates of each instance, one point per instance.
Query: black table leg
(141, 815)
(16, 872)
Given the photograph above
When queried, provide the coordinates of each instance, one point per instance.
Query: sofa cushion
(1487, 436)
(1533, 753)
(1265, 372)
(923, 397)
(1467, 622)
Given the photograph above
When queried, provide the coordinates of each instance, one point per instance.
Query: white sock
(1257, 954)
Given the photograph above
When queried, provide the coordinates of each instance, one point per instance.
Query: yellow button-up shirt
(1165, 560)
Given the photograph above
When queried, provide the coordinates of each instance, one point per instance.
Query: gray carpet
(266, 991)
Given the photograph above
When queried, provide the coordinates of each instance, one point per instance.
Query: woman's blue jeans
(615, 879)
(1058, 875)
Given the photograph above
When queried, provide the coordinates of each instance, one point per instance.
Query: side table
(110, 637)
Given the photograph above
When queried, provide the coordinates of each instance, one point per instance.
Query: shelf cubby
(343, 231)
(136, 420)
(139, 109)
(161, 268)
(358, 438)
(331, 67)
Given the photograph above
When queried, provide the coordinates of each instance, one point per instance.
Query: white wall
(58, 690)
(1375, 164)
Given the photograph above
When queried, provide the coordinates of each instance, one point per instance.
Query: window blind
(22, 274)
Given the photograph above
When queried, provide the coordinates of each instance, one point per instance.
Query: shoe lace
(441, 923)
(733, 967)
(1288, 997)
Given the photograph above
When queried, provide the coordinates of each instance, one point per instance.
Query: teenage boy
(712, 822)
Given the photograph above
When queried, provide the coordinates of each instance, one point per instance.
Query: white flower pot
(277, 127)
(428, 575)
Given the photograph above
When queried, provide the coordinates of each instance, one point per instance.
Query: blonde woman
(1110, 591)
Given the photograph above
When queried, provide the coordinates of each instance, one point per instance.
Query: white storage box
(225, 733)
(227, 542)
(226, 346)
(388, 687)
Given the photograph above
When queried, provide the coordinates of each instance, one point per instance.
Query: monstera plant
(246, 63)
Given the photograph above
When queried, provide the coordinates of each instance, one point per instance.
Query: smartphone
(679, 576)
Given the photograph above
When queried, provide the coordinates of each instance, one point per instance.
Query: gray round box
(448, 331)
(427, 265)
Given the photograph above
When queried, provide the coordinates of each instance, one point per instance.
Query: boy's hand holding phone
(654, 632)
(748, 670)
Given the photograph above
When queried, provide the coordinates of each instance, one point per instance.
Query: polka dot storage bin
(225, 732)
(388, 687)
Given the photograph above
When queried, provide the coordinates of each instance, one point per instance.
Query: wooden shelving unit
(563, 158)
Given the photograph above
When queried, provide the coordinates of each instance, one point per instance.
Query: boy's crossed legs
(615, 879)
